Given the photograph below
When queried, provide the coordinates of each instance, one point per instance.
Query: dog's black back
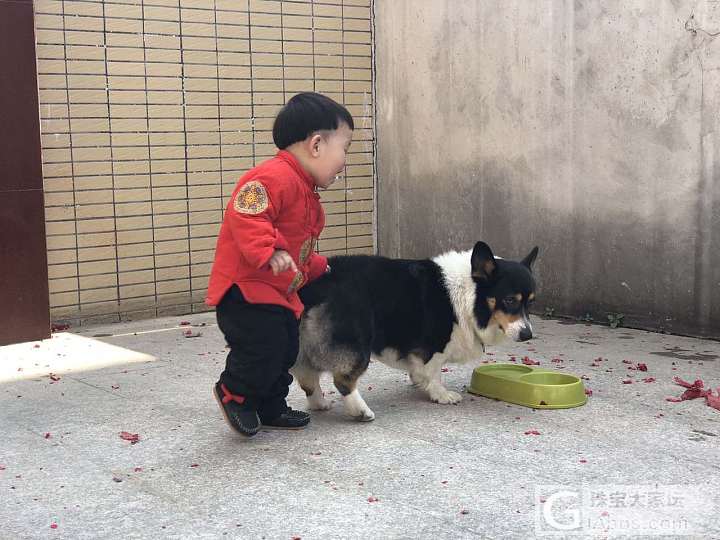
(381, 302)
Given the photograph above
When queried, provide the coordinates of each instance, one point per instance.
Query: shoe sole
(227, 418)
(276, 428)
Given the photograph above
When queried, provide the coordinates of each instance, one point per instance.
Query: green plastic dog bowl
(531, 387)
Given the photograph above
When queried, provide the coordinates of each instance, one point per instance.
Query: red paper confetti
(532, 432)
(583, 461)
(649, 379)
(132, 437)
(445, 370)
(184, 323)
(714, 401)
(138, 469)
(194, 465)
(373, 499)
(464, 512)
(47, 435)
(694, 390)
(53, 525)
(588, 392)
(697, 390)
(58, 327)
(642, 367)
(627, 362)
(627, 381)
(686, 384)
(528, 362)
(54, 377)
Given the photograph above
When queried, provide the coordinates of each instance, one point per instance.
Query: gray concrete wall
(588, 128)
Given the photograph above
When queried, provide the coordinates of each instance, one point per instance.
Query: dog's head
(504, 290)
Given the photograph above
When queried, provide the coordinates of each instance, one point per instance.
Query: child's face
(330, 153)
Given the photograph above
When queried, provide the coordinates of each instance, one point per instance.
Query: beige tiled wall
(150, 112)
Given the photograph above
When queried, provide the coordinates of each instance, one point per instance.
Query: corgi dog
(415, 315)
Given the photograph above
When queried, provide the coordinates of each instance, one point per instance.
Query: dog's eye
(510, 301)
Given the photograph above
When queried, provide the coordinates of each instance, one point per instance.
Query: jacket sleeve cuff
(318, 266)
(265, 258)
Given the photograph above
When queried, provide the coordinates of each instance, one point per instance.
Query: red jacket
(274, 206)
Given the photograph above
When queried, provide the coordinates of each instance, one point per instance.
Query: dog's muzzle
(520, 330)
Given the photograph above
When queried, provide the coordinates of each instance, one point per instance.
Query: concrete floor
(420, 470)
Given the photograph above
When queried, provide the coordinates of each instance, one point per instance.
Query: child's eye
(510, 301)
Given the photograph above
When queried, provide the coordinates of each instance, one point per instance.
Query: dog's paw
(418, 381)
(356, 407)
(318, 403)
(365, 416)
(445, 396)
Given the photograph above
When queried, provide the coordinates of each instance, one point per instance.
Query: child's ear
(314, 142)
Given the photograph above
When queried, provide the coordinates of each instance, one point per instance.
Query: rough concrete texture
(465, 471)
(588, 128)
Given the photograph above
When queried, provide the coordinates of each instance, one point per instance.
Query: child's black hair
(307, 113)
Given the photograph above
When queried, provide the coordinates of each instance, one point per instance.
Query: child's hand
(282, 261)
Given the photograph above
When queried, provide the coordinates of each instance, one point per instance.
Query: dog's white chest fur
(467, 341)
(467, 338)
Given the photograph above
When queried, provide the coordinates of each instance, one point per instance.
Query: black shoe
(290, 419)
(239, 417)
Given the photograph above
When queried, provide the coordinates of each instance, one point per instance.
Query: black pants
(264, 344)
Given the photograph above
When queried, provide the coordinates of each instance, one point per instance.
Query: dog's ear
(530, 259)
(482, 262)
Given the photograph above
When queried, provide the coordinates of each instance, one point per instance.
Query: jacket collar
(295, 164)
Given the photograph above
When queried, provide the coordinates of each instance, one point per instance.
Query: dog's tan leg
(354, 403)
(309, 381)
(416, 370)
